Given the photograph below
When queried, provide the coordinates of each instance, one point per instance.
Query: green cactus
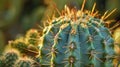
(32, 37)
(28, 44)
(24, 62)
(19, 44)
(11, 57)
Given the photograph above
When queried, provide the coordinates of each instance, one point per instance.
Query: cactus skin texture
(24, 62)
(77, 44)
(77, 39)
(32, 37)
(10, 58)
(27, 45)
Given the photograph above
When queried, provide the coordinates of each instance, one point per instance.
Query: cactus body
(78, 44)
(10, 58)
(32, 37)
(24, 62)
(77, 39)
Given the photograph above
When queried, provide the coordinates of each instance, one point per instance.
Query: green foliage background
(18, 16)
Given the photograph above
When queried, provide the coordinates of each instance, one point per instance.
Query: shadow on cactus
(78, 38)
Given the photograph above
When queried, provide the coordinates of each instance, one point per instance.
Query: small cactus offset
(24, 62)
(28, 44)
(10, 58)
(32, 37)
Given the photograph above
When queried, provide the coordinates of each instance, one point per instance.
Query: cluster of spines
(73, 14)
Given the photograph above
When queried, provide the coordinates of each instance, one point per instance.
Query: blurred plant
(9, 11)
(2, 41)
(116, 36)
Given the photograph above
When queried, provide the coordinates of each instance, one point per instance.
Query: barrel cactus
(77, 39)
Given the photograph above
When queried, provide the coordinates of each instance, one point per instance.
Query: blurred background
(18, 16)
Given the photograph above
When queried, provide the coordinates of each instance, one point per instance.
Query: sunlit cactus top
(81, 15)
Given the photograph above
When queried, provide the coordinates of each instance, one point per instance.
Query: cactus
(19, 44)
(24, 62)
(10, 58)
(77, 39)
(27, 45)
(32, 37)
